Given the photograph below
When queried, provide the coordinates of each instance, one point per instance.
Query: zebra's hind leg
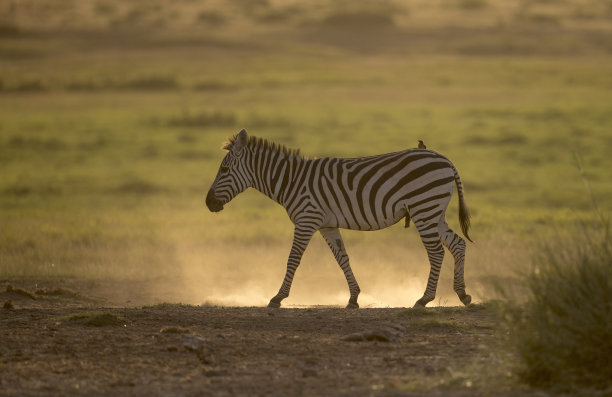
(435, 253)
(301, 238)
(456, 245)
(334, 239)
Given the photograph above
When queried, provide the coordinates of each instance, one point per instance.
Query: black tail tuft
(464, 213)
(464, 217)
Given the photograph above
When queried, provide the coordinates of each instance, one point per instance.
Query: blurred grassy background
(112, 114)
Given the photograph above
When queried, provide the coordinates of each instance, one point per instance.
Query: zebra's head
(233, 176)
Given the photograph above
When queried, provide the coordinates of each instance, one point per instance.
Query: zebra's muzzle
(212, 203)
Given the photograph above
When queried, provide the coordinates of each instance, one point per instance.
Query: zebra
(365, 193)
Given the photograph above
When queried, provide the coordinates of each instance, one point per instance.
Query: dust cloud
(391, 268)
(251, 276)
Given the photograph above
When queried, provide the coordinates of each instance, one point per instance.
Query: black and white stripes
(367, 193)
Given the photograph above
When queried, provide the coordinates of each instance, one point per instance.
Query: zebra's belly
(392, 220)
(377, 224)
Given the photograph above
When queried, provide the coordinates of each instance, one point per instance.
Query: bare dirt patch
(66, 344)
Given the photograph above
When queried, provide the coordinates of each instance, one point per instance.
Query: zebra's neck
(273, 171)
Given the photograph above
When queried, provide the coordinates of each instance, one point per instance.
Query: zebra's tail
(464, 213)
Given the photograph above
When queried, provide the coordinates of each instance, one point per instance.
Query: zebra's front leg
(334, 240)
(301, 238)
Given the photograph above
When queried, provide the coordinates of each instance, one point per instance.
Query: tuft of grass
(96, 319)
(18, 291)
(153, 83)
(359, 20)
(84, 85)
(174, 329)
(21, 189)
(564, 333)
(416, 312)
(8, 305)
(539, 18)
(51, 144)
(57, 292)
(29, 86)
(212, 85)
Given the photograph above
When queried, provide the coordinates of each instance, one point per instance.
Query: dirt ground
(59, 341)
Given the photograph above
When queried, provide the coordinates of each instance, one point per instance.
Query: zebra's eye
(223, 170)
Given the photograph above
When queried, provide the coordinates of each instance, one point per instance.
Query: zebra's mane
(265, 145)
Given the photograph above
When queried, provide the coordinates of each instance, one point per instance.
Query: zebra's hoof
(466, 300)
(274, 305)
(352, 305)
(419, 305)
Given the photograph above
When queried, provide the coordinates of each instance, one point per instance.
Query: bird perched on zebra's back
(422, 145)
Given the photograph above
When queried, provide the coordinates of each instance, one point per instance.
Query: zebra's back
(371, 193)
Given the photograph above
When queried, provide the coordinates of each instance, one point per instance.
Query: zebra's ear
(241, 141)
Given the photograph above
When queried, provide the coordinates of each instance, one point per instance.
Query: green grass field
(112, 115)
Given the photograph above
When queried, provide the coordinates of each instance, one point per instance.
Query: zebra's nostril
(210, 197)
(212, 203)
